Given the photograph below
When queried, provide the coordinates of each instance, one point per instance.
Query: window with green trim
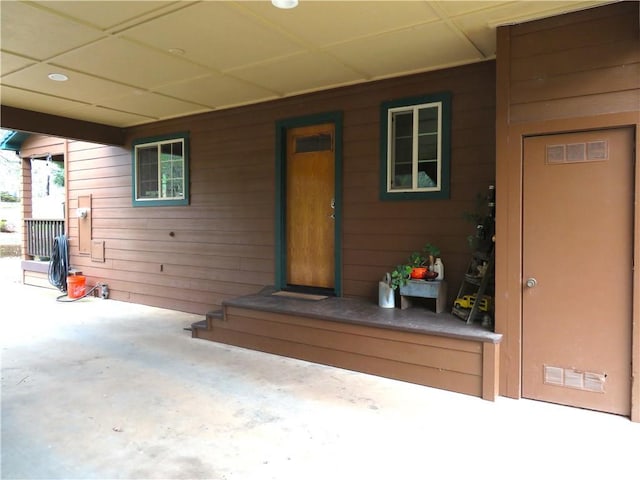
(415, 149)
(161, 171)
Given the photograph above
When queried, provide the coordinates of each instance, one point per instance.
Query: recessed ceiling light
(285, 3)
(177, 51)
(58, 77)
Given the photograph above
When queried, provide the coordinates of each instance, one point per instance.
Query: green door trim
(281, 160)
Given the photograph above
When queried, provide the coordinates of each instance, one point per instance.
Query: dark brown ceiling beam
(43, 123)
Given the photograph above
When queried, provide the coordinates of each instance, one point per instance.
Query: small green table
(424, 289)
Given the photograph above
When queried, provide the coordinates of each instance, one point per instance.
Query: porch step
(201, 324)
(205, 325)
(413, 345)
(215, 315)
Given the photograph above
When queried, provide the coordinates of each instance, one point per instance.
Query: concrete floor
(99, 389)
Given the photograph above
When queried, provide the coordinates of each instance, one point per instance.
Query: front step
(201, 324)
(204, 325)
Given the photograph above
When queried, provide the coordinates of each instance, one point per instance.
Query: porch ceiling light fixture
(286, 4)
(58, 77)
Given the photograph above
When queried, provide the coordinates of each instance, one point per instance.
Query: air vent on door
(596, 151)
(571, 378)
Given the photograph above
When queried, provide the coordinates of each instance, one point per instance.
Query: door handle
(531, 282)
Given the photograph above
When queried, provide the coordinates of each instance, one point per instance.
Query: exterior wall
(568, 73)
(222, 245)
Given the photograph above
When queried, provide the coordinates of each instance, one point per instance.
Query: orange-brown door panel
(310, 207)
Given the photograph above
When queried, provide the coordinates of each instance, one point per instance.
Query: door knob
(531, 282)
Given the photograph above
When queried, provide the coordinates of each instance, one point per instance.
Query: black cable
(59, 263)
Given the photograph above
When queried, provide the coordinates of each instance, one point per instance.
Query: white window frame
(415, 161)
(433, 185)
(160, 199)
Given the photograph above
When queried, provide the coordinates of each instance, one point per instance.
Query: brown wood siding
(40, 146)
(223, 242)
(576, 65)
(567, 73)
(459, 365)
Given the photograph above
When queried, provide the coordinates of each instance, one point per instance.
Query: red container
(417, 273)
(76, 286)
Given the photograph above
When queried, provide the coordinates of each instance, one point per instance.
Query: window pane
(428, 120)
(403, 123)
(427, 174)
(172, 179)
(402, 150)
(427, 147)
(147, 174)
(428, 154)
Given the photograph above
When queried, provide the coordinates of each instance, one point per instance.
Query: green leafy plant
(431, 252)
(8, 197)
(417, 259)
(426, 257)
(400, 275)
(481, 219)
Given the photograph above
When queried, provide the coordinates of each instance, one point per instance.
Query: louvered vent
(570, 378)
(596, 151)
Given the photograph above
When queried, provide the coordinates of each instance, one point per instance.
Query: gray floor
(103, 389)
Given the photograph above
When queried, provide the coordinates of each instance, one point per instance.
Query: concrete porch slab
(99, 389)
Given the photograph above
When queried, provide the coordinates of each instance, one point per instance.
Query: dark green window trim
(158, 141)
(439, 102)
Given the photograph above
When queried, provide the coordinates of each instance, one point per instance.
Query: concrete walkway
(99, 389)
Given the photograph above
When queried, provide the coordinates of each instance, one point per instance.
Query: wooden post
(490, 370)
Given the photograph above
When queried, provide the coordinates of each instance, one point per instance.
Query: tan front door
(577, 267)
(310, 207)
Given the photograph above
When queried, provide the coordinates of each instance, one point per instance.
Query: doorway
(578, 194)
(309, 207)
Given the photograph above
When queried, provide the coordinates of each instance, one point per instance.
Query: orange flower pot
(418, 273)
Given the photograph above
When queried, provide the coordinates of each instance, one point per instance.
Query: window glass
(415, 147)
(160, 169)
(148, 172)
(402, 150)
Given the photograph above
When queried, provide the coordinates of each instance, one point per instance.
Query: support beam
(53, 125)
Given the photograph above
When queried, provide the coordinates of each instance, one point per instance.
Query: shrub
(8, 197)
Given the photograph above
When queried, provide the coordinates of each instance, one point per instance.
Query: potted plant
(431, 252)
(482, 218)
(419, 264)
(423, 260)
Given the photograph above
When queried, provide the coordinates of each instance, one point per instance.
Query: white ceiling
(135, 62)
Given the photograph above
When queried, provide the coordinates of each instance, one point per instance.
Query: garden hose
(59, 270)
(59, 263)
